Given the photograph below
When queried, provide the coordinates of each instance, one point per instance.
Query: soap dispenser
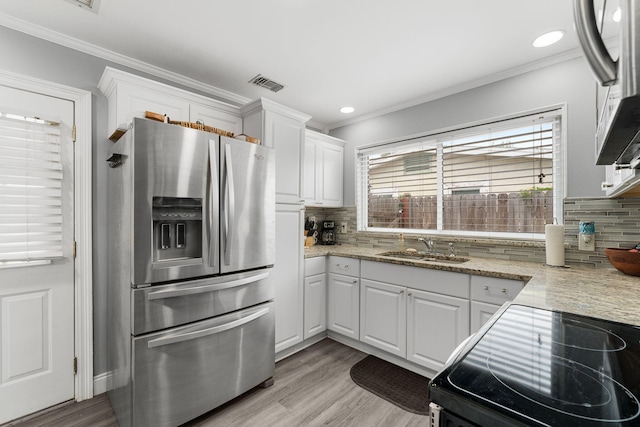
(400, 243)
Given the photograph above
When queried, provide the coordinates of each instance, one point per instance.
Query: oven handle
(171, 293)
(206, 332)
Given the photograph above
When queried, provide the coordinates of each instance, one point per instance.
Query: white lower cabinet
(436, 324)
(487, 296)
(315, 297)
(481, 312)
(343, 315)
(414, 313)
(383, 316)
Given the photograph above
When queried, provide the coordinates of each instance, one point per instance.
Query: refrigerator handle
(172, 339)
(230, 208)
(212, 221)
(596, 53)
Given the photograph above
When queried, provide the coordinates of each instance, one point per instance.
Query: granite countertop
(603, 293)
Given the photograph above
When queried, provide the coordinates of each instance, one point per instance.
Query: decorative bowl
(625, 261)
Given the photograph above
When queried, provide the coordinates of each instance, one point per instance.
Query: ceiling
(375, 55)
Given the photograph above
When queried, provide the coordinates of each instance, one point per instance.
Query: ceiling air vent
(266, 83)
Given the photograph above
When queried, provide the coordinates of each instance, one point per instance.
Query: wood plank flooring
(312, 388)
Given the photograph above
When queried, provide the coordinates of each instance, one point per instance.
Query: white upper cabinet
(212, 115)
(323, 170)
(282, 128)
(131, 96)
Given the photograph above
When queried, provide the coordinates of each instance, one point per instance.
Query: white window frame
(559, 181)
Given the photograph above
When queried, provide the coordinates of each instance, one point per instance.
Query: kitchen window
(30, 190)
(501, 179)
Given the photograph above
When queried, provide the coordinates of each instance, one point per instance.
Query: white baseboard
(366, 348)
(100, 383)
(300, 346)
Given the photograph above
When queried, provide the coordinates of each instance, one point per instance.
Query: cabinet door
(133, 102)
(344, 304)
(331, 175)
(314, 305)
(310, 169)
(436, 324)
(288, 276)
(211, 116)
(480, 313)
(286, 135)
(383, 316)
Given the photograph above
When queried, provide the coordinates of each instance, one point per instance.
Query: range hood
(618, 132)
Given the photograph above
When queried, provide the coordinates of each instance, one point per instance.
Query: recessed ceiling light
(347, 110)
(548, 39)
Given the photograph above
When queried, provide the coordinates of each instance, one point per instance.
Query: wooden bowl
(625, 261)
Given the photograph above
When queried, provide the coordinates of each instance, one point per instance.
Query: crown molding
(472, 84)
(269, 105)
(79, 45)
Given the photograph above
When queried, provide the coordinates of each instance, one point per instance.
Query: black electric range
(535, 367)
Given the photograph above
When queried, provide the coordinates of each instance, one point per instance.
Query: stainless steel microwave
(618, 131)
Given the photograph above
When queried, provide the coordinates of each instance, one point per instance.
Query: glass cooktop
(540, 367)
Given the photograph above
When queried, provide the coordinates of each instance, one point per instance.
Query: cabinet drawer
(423, 279)
(494, 290)
(344, 265)
(313, 266)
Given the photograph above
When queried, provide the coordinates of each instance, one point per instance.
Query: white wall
(569, 82)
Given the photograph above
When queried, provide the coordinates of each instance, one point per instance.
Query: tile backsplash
(617, 225)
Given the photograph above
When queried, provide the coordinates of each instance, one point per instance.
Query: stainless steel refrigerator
(191, 223)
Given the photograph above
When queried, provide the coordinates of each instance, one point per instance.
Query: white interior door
(37, 302)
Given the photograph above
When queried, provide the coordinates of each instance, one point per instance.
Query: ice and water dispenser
(177, 228)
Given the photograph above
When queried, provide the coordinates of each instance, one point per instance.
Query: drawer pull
(504, 291)
(354, 282)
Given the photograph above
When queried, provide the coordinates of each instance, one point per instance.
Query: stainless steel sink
(421, 256)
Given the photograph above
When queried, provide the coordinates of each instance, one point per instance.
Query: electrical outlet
(343, 227)
(587, 242)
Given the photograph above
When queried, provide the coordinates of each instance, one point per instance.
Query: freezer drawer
(166, 306)
(184, 372)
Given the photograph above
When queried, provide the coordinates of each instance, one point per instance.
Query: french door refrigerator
(191, 223)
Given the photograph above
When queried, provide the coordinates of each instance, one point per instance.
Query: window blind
(502, 178)
(30, 189)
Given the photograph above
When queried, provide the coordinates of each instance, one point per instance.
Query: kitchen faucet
(429, 243)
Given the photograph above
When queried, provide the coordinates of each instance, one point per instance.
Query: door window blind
(503, 179)
(30, 189)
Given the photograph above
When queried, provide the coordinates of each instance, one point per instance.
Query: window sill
(486, 241)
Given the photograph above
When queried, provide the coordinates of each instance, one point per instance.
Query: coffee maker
(327, 233)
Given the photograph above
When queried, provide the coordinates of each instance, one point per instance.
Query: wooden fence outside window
(519, 212)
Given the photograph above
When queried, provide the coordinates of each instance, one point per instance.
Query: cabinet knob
(354, 282)
(402, 292)
(504, 291)
(486, 289)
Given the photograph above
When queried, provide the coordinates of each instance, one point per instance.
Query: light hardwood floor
(312, 388)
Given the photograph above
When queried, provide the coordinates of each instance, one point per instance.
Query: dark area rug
(397, 385)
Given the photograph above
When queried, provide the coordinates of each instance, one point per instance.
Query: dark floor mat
(397, 385)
